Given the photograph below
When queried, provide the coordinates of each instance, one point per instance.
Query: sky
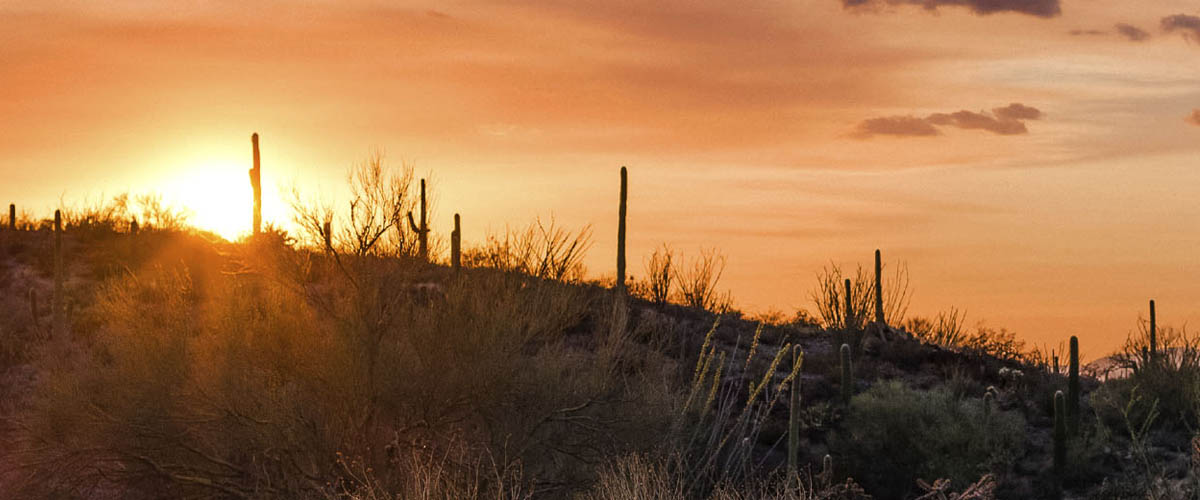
(1035, 163)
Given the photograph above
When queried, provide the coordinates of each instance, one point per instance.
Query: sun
(216, 195)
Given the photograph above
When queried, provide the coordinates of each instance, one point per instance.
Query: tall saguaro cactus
(1073, 385)
(56, 302)
(456, 245)
(794, 415)
(327, 234)
(12, 216)
(1153, 332)
(621, 230)
(848, 313)
(1060, 435)
(847, 374)
(256, 184)
(878, 288)
(421, 230)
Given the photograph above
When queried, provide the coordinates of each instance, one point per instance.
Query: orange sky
(781, 132)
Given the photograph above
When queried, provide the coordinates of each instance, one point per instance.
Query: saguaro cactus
(1073, 385)
(1060, 434)
(133, 226)
(621, 230)
(421, 230)
(878, 288)
(794, 415)
(327, 234)
(456, 245)
(12, 216)
(256, 184)
(1153, 332)
(847, 375)
(849, 311)
(56, 302)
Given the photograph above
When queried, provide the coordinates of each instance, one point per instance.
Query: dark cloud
(982, 121)
(1131, 32)
(1008, 120)
(1087, 32)
(904, 126)
(1194, 118)
(1039, 8)
(1190, 25)
(1017, 111)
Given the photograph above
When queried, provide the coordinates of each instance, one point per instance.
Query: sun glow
(216, 195)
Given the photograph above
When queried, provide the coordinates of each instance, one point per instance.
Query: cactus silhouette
(1060, 434)
(1073, 385)
(621, 230)
(256, 184)
(422, 230)
(133, 226)
(56, 302)
(1153, 332)
(848, 313)
(847, 375)
(327, 234)
(878, 288)
(12, 216)
(794, 415)
(456, 245)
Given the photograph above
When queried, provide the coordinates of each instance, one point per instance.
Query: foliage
(545, 251)
(894, 435)
(698, 282)
(829, 296)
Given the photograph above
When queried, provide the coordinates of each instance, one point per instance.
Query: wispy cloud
(1131, 32)
(1007, 120)
(1189, 25)
(1039, 8)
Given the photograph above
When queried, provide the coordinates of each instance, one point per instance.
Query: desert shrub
(947, 329)
(829, 296)
(251, 381)
(542, 250)
(659, 275)
(1171, 379)
(698, 282)
(894, 435)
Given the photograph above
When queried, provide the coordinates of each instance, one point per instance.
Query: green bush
(894, 435)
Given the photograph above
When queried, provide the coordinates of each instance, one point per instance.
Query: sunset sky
(1035, 162)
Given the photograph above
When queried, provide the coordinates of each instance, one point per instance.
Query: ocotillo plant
(456, 245)
(1060, 434)
(621, 230)
(794, 415)
(256, 184)
(878, 288)
(847, 375)
(421, 230)
(56, 302)
(12, 216)
(1153, 332)
(1073, 385)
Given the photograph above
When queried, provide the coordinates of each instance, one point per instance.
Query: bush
(894, 435)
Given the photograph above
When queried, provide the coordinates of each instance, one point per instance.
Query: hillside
(186, 366)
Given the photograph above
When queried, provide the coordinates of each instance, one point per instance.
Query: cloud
(1039, 8)
(1194, 118)
(1190, 25)
(902, 126)
(1017, 111)
(1087, 32)
(1008, 120)
(1131, 32)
